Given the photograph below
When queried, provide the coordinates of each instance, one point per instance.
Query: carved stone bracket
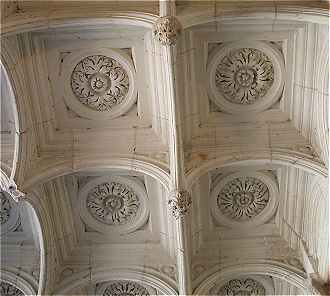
(179, 202)
(167, 30)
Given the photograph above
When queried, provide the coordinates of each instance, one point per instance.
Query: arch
(5, 79)
(89, 164)
(283, 11)
(270, 268)
(20, 279)
(149, 277)
(281, 157)
(53, 21)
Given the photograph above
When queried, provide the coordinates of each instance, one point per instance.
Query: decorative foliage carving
(167, 30)
(100, 82)
(244, 75)
(243, 286)
(113, 203)
(7, 289)
(179, 203)
(125, 288)
(5, 208)
(243, 198)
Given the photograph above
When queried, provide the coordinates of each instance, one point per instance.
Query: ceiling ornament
(9, 213)
(125, 288)
(101, 83)
(179, 202)
(167, 30)
(244, 199)
(242, 286)
(7, 289)
(245, 76)
(5, 208)
(114, 204)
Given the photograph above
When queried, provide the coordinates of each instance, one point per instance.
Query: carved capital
(179, 202)
(167, 30)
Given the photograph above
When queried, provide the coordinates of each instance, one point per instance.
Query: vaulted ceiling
(164, 148)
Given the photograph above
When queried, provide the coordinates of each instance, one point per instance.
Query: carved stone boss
(167, 30)
(179, 202)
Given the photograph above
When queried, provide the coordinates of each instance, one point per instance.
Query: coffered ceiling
(186, 157)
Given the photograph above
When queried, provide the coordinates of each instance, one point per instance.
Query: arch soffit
(163, 284)
(288, 12)
(158, 171)
(285, 158)
(34, 23)
(14, 107)
(285, 12)
(278, 270)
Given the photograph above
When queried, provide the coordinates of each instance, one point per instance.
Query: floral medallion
(125, 288)
(5, 208)
(7, 289)
(242, 287)
(243, 198)
(100, 82)
(113, 203)
(244, 75)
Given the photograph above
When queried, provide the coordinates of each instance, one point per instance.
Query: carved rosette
(117, 204)
(244, 199)
(242, 286)
(9, 213)
(7, 289)
(5, 208)
(100, 82)
(125, 288)
(167, 30)
(113, 203)
(179, 202)
(245, 77)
